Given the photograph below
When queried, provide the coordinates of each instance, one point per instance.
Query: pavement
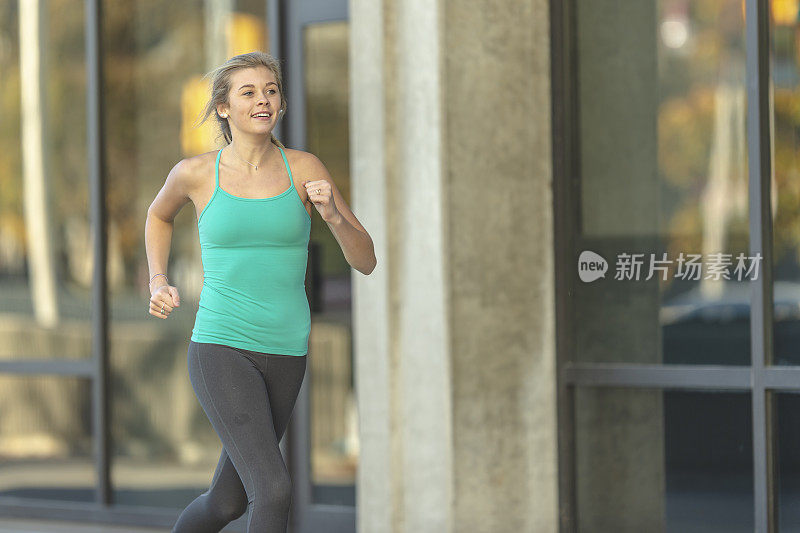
(47, 526)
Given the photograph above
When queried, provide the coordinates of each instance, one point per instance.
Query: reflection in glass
(652, 460)
(45, 438)
(785, 70)
(663, 173)
(334, 432)
(788, 462)
(45, 254)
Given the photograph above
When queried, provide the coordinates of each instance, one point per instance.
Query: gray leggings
(248, 397)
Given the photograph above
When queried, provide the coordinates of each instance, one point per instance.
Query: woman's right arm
(158, 236)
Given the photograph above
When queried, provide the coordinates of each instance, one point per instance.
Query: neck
(257, 151)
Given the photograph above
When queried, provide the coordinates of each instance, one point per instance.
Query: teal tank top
(254, 253)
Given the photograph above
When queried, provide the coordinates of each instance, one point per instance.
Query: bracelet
(154, 277)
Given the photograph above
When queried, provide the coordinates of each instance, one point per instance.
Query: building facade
(585, 214)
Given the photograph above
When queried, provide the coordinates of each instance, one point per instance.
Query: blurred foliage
(689, 85)
(787, 177)
(684, 130)
(150, 49)
(708, 67)
(11, 226)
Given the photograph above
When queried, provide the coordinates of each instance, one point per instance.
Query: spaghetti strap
(216, 170)
(291, 180)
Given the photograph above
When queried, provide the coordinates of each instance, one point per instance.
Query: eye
(272, 90)
(248, 92)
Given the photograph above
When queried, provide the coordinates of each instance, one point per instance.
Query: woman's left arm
(354, 240)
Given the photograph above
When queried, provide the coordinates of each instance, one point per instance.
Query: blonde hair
(221, 86)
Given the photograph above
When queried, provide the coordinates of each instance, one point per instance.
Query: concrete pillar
(454, 330)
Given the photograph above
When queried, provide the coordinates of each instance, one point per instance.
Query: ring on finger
(162, 309)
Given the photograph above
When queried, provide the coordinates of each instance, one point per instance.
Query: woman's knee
(227, 507)
(276, 491)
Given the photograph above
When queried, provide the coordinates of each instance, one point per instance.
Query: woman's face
(253, 90)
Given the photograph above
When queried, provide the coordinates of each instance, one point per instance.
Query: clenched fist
(163, 300)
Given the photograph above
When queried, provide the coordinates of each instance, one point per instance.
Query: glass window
(334, 430)
(652, 460)
(786, 176)
(46, 439)
(788, 463)
(46, 260)
(662, 195)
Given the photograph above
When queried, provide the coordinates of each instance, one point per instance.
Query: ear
(222, 109)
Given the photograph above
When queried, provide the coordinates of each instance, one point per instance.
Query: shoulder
(306, 162)
(296, 158)
(180, 186)
(196, 165)
(192, 172)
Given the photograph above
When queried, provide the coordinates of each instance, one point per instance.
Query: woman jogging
(248, 347)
